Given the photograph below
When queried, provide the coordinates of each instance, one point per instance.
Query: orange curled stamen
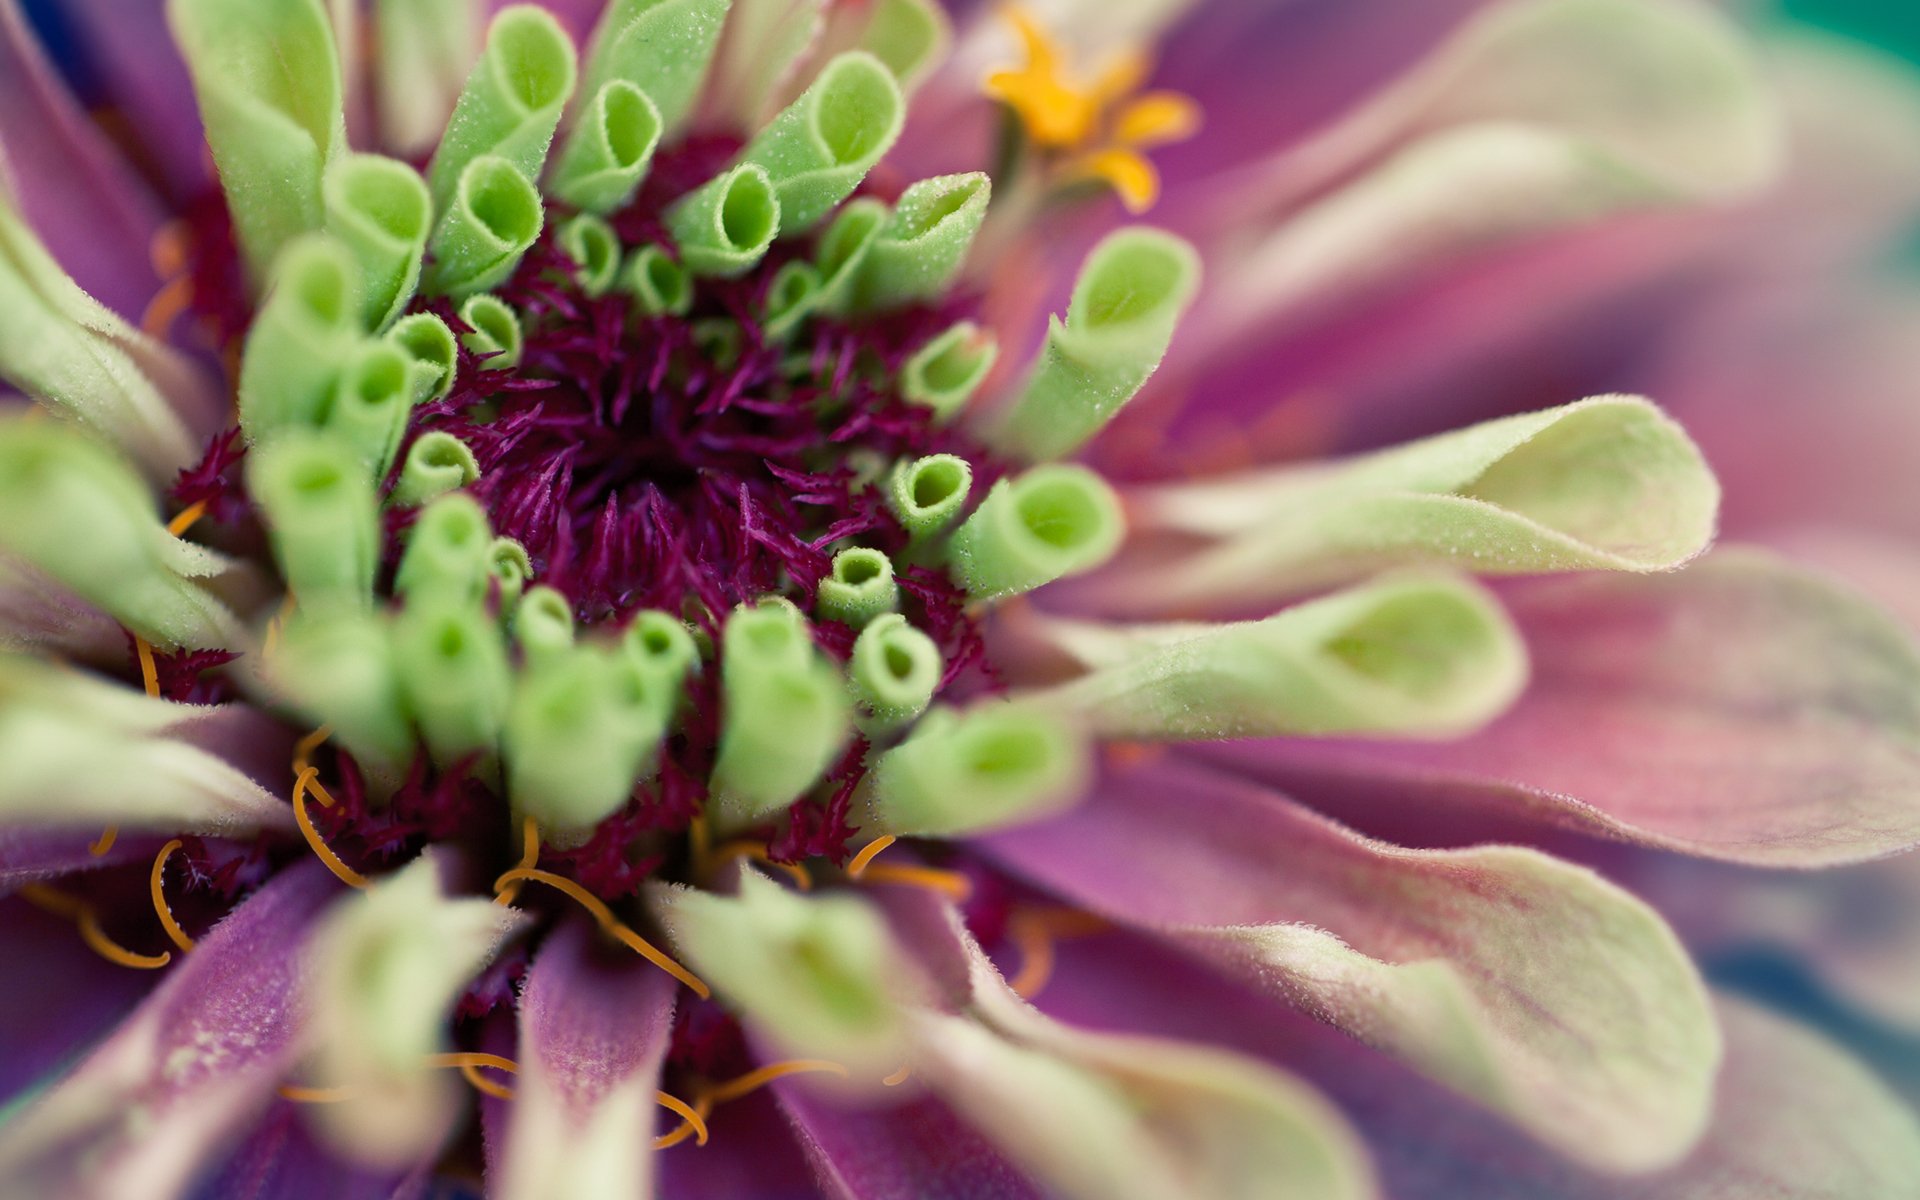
(760, 1077)
(699, 845)
(609, 924)
(898, 1077)
(186, 517)
(304, 748)
(1034, 931)
(160, 908)
(149, 674)
(950, 884)
(166, 306)
(470, 1062)
(314, 1095)
(693, 1120)
(168, 249)
(868, 852)
(81, 913)
(105, 841)
(748, 848)
(321, 850)
(529, 855)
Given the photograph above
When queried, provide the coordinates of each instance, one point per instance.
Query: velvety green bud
(859, 588)
(449, 550)
(511, 104)
(509, 568)
(436, 464)
(823, 144)
(577, 738)
(595, 250)
(784, 715)
(661, 46)
(945, 373)
(1131, 293)
(495, 217)
(894, 670)
(337, 668)
(659, 286)
(318, 500)
(430, 348)
(608, 153)
(543, 625)
(791, 297)
(842, 250)
(267, 74)
(963, 773)
(661, 647)
(378, 208)
(1052, 521)
(494, 330)
(928, 494)
(726, 225)
(426, 48)
(77, 512)
(371, 403)
(303, 334)
(920, 250)
(454, 674)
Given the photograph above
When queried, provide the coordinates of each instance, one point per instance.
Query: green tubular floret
(495, 217)
(449, 549)
(578, 735)
(436, 464)
(661, 647)
(659, 286)
(305, 329)
(454, 676)
(371, 403)
(542, 625)
(426, 47)
(894, 670)
(922, 246)
(663, 46)
(267, 74)
(963, 773)
(509, 567)
(608, 153)
(842, 250)
(727, 224)
(859, 588)
(77, 512)
(512, 101)
(785, 713)
(791, 296)
(1052, 521)
(379, 209)
(430, 349)
(595, 250)
(1131, 293)
(928, 494)
(318, 500)
(819, 148)
(337, 669)
(493, 331)
(945, 373)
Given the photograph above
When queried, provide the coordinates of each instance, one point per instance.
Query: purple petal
(751, 1156)
(280, 1161)
(76, 996)
(132, 53)
(916, 1151)
(32, 855)
(195, 1065)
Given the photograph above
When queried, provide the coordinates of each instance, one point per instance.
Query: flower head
(652, 629)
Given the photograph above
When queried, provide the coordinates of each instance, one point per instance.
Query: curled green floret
(784, 714)
(454, 674)
(371, 403)
(1051, 522)
(436, 464)
(860, 587)
(494, 219)
(318, 500)
(945, 373)
(662, 649)
(449, 550)
(493, 331)
(823, 144)
(337, 669)
(842, 251)
(661, 46)
(379, 209)
(578, 735)
(894, 670)
(430, 349)
(923, 244)
(512, 101)
(303, 333)
(608, 153)
(508, 568)
(1131, 293)
(542, 625)
(728, 223)
(968, 772)
(791, 298)
(928, 494)
(659, 286)
(595, 250)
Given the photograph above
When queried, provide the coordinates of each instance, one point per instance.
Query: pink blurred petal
(31, 855)
(917, 1151)
(132, 53)
(1743, 710)
(280, 1161)
(76, 996)
(752, 1155)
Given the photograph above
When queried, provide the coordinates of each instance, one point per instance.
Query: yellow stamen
(529, 855)
(168, 249)
(898, 1077)
(699, 845)
(105, 841)
(185, 518)
(1053, 111)
(760, 1077)
(149, 673)
(346, 874)
(748, 848)
(1156, 119)
(609, 924)
(693, 1120)
(950, 884)
(1132, 177)
(82, 914)
(469, 1063)
(315, 1095)
(304, 748)
(868, 852)
(160, 908)
(1034, 931)
(166, 306)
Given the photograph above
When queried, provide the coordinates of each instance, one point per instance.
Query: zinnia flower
(575, 619)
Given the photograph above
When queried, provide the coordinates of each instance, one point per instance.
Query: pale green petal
(449, 550)
(991, 766)
(921, 248)
(1413, 657)
(662, 47)
(1609, 483)
(512, 101)
(77, 513)
(823, 144)
(267, 73)
(378, 208)
(1050, 522)
(759, 59)
(910, 36)
(386, 967)
(659, 286)
(543, 627)
(427, 47)
(609, 150)
(1131, 292)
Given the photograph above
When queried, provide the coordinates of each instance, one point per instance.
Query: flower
(651, 646)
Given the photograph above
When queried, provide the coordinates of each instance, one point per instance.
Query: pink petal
(1742, 710)
(131, 51)
(76, 996)
(916, 1151)
(32, 855)
(751, 1156)
(280, 1161)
